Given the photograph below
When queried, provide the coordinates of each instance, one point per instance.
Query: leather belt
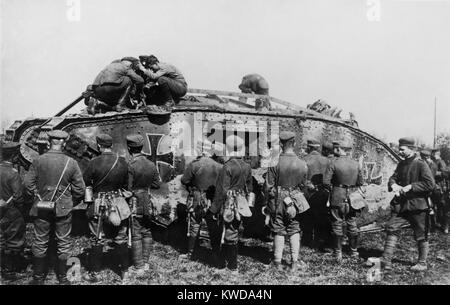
(345, 186)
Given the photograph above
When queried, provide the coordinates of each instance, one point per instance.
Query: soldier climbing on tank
(113, 86)
(256, 84)
(165, 82)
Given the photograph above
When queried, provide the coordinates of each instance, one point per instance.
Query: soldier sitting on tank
(256, 84)
(113, 86)
(165, 82)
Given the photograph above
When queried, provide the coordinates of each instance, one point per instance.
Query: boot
(61, 271)
(95, 264)
(277, 265)
(39, 267)
(389, 248)
(8, 267)
(190, 249)
(353, 241)
(232, 257)
(446, 224)
(136, 250)
(121, 104)
(122, 255)
(337, 248)
(92, 106)
(146, 244)
(423, 247)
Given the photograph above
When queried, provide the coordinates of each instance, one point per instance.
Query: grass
(254, 254)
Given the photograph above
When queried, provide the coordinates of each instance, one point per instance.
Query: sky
(384, 60)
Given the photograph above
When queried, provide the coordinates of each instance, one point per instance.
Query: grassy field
(168, 268)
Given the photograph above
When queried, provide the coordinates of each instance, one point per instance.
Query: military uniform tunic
(42, 178)
(12, 224)
(315, 221)
(343, 176)
(142, 176)
(289, 174)
(200, 177)
(117, 178)
(411, 207)
(235, 175)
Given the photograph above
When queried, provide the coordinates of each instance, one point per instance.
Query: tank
(172, 140)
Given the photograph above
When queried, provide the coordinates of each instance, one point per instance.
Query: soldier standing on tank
(200, 178)
(283, 181)
(411, 183)
(317, 217)
(12, 224)
(342, 177)
(235, 179)
(441, 196)
(54, 177)
(142, 176)
(106, 174)
(256, 84)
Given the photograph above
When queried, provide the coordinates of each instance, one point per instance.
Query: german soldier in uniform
(200, 178)
(234, 181)
(12, 224)
(255, 83)
(425, 155)
(412, 183)
(283, 183)
(317, 219)
(442, 196)
(107, 174)
(53, 177)
(142, 176)
(343, 177)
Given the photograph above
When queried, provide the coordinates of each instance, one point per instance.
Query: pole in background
(434, 134)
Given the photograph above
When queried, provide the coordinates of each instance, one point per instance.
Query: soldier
(107, 174)
(256, 84)
(283, 184)
(12, 224)
(327, 150)
(113, 85)
(200, 178)
(441, 196)
(171, 84)
(411, 183)
(142, 176)
(53, 177)
(425, 155)
(343, 177)
(233, 182)
(317, 217)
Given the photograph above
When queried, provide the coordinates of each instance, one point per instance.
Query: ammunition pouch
(198, 204)
(116, 207)
(357, 201)
(294, 201)
(235, 206)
